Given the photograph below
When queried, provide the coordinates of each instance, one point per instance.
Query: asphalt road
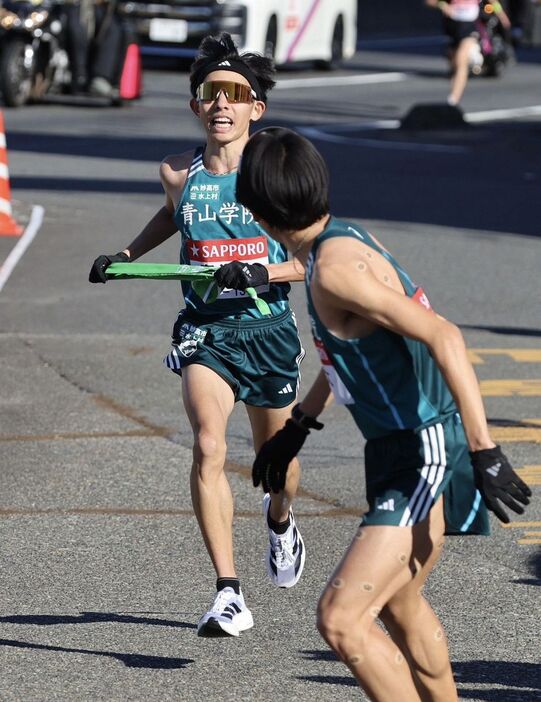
(104, 574)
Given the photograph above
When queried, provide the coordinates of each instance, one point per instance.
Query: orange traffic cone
(131, 80)
(8, 226)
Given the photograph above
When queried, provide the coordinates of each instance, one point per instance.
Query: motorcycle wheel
(499, 68)
(495, 68)
(15, 79)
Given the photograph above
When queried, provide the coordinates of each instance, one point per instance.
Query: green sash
(201, 277)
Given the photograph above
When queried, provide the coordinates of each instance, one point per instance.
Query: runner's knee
(334, 623)
(209, 448)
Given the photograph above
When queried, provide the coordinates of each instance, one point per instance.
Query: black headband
(236, 67)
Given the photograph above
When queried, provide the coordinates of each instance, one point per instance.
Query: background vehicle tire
(337, 48)
(495, 68)
(271, 37)
(15, 79)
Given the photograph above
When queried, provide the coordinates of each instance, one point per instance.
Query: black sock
(221, 583)
(278, 527)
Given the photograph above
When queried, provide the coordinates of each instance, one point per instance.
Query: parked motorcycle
(34, 59)
(494, 49)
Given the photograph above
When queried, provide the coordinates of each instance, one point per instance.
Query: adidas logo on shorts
(387, 505)
(285, 390)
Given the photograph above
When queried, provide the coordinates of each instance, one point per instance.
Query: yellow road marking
(517, 433)
(528, 537)
(507, 388)
(530, 474)
(528, 542)
(518, 355)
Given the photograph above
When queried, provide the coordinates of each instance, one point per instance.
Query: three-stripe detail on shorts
(432, 474)
(172, 360)
(301, 355)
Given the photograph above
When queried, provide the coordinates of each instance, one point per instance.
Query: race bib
(341, 394)
(217, 252)
(464, 11)
(421, 297)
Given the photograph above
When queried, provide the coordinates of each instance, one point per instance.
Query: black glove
(100, 265)
(496, 480)
(271, 463)
(239, 276)
(274, 457)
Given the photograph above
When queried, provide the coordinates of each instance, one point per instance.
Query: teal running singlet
(216, 229)
(387, 381)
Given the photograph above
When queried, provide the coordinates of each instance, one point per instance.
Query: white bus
(324, 31)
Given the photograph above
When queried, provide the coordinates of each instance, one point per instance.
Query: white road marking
(375, 143)
(337, 134)
(491, 115)
(15, 255)
(364, 79)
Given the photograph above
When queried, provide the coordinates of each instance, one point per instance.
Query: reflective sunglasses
(234, 92)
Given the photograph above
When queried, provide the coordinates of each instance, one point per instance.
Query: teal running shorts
(407, 471)
(259, 358)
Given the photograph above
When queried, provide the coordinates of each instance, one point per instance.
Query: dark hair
(213, 50)
(283, 179)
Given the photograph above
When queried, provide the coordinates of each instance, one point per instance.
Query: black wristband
(304, 420)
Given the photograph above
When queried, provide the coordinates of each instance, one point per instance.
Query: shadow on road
(106, 147)
(319, 655)
(534, 567)
(130, 660)
(499, 695)
(518, 682)
(91, 618)
(507, 331)
(525, 677)
(88, 185)
(407, 184)
(330, 679)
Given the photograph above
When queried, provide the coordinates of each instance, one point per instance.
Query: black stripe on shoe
(230, 611)
(298, 561)
(212, 629)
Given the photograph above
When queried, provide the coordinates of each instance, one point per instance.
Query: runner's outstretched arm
(160, 228)
(287, 272)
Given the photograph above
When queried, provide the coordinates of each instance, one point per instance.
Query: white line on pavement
(15, 255)
(337, 134)
(363, 79)
(322, 135)
(490, 115)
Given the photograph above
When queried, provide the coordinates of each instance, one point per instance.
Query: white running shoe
(286, 553)
(228, 615)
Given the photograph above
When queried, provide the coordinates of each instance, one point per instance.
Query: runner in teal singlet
(224, 350)
(403, 372)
